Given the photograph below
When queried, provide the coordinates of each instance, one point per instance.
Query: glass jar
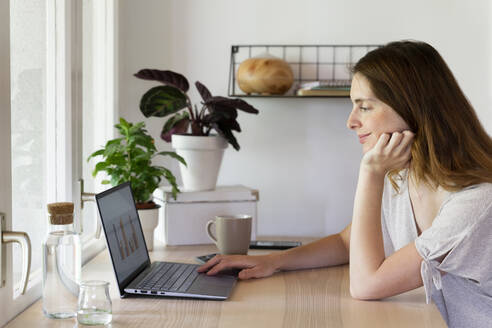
(94, 306)
(62, 263)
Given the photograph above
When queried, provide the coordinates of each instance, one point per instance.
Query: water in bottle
(61, 263)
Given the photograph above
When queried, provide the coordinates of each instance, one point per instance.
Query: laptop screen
(123, 232)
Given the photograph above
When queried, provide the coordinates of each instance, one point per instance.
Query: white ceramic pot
(148, 219)
(203, 156)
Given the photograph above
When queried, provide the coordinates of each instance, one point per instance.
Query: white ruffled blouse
(460, 285)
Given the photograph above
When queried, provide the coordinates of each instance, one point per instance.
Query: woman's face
(370, 117)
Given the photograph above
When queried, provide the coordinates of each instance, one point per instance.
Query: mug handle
(209, 232)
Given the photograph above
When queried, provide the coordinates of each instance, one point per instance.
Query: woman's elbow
(363, 292)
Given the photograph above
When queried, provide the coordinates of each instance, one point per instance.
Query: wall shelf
(330, 64)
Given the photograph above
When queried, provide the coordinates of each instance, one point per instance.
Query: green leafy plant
(217, 113)
(129, 158)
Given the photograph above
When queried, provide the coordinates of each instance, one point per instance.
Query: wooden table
(307, 298)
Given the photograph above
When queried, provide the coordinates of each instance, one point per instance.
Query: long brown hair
(451, 148)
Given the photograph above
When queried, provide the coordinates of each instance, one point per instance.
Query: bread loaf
(265, 75)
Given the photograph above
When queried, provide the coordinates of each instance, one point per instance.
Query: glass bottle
(94, 307)
(62, 262)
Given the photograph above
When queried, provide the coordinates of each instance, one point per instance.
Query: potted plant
(129, 158)
(189, 127)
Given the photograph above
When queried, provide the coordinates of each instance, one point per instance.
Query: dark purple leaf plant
(170, 99)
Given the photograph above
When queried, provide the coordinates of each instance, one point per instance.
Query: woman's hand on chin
(392, 151)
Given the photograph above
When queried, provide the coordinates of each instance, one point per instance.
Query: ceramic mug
(232, 233)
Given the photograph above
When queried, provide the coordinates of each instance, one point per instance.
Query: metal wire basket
(323, 68)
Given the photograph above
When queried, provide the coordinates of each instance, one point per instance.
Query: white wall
(297, 152)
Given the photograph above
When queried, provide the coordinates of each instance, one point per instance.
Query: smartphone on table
(267, 244)
(257, 244)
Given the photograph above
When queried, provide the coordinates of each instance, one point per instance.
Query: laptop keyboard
(176, 277)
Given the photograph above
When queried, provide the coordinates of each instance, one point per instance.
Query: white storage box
(183, 221)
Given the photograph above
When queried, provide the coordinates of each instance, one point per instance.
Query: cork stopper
(61, 213)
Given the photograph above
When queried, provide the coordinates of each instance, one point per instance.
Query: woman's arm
(371, 276)
(328, 251)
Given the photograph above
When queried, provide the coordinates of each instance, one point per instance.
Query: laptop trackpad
(212, 285)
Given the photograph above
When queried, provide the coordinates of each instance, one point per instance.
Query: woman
(423, 206)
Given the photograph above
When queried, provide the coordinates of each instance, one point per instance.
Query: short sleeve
(462, 232)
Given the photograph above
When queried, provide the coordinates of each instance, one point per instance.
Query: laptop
(134, 272)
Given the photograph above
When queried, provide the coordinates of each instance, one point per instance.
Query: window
(97, 100)
(61, 109)
(29, 126)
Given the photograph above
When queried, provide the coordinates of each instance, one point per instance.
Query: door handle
(98, 229)
(88, 197)
(23, 240)
(85, 196)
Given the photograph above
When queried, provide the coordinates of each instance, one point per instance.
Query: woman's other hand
(253, 266)
(392, 151)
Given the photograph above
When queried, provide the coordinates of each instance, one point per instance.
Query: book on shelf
(324, 88)
(325, 84)
(324, 92)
